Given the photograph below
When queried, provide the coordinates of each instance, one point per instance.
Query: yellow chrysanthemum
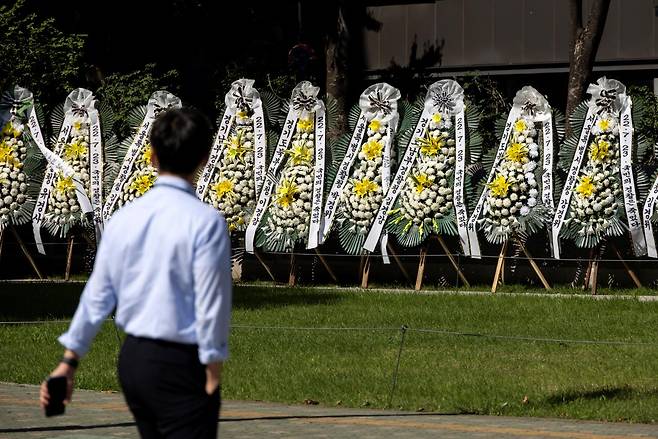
(242, 115)
(235, 147)
(148, 154)
(499, 186)
(372, 149)
(604, 125)
(142, 183)
(422, 181)
(300, 154)
(305, 125)
(77, 125)
(364, 187)
(375, 125)
(65, 184)
(285, 193)
(600, 150)
(520, 126)
(516, 152)
(430, 145)
(436, 118)
(7, 155)
(223, 188)
(9, 130)
(586, 188)
(74, 151)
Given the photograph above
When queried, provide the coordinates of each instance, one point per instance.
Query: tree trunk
(584, 45)
(336, 65)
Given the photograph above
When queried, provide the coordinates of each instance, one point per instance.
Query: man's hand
(213, 377)
(62, 369)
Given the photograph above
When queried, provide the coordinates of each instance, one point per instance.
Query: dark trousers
(164, 386)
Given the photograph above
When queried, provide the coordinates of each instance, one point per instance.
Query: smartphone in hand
(57, 392)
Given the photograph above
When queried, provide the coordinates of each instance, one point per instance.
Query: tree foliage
(36, 54)
(125, 91)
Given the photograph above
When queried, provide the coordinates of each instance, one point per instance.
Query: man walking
(164, 263)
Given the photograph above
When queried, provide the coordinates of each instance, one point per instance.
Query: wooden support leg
(366, 271)
(69, 257)
(395, 257)
(588, 273)
(629, 270)
(594, 277)
(2, 239)
(421, 268)
(265, 266)
(326, 266)
(23, 247)
(446, 250)
(236, 270)
(499, 267)
(535, 267)
(292, 277)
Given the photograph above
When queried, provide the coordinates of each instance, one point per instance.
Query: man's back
(164, 263)
(154, 242)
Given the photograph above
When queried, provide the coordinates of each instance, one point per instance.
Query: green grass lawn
(438, 372)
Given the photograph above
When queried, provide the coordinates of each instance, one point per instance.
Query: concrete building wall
(497, 33)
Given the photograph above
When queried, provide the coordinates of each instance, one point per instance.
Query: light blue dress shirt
(165, 263)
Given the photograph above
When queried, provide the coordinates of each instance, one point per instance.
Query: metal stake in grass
(403, 332)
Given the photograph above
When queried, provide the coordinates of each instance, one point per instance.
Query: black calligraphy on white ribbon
(572, 178)
(270, 179)
(216, 152)
(628, 180)
(398, 182)
(159, 101)
(474, 243)
(318, 179)
(461, 213)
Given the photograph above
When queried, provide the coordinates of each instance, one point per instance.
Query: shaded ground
(95, 415)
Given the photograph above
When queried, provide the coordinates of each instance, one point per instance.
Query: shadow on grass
(254, 297)
(221, 420)
(604, 393)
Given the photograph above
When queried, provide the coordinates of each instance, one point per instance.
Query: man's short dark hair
(181, 140)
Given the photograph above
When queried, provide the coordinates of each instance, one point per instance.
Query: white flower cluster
(232, 188)
(141, 178)
(13, 181)
(428, 194)
(362, 194)
(290, 209)
(513, 192)
(63, 207)
(595, 197)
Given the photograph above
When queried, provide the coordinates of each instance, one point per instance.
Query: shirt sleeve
(213, 291)
(97, 301)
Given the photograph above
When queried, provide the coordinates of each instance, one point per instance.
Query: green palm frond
(353, 117)
(106, 115)
(136, 117)
(272, 109)
(57, 120)
(333, 112)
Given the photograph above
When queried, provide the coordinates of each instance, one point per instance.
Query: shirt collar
(175, 182)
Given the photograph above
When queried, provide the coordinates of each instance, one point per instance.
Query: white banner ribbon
(159, 101)
(572, 178)
(270, 179)
(461, 213)
(215, 154)
(514, 113)
(318, 179)
(647, 214)
(398, 182)
(379, 101)
(79, 100)
(628, 180)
